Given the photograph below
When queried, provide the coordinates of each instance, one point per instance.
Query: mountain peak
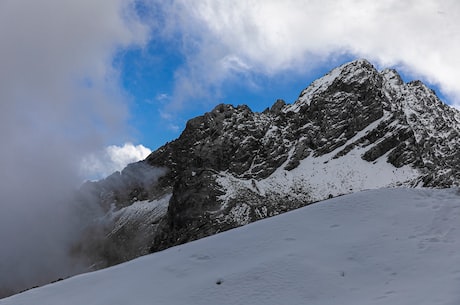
(392, 76)
(355, 65)
(353, 129)
(357, 71)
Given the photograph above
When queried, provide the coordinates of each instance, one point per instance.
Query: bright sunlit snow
(388, 246)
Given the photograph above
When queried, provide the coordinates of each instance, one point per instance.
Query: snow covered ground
(388, 246)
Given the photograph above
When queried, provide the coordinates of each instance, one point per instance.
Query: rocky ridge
(355, 128)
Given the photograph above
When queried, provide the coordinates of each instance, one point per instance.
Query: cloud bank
(223, 40)
(59, 100)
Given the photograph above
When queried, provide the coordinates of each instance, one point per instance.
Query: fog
(60, 100)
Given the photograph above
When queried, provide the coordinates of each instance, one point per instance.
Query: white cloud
(173, 127)
(113, 158)
(162, 97)
(269, 37)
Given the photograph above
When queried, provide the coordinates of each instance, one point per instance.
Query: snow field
(387, 246)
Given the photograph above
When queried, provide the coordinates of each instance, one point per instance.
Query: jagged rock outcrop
(353, 129)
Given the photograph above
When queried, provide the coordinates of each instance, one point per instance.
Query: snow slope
(388, 246)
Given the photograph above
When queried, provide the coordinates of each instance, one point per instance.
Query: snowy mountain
(391, 246)
(354, 129)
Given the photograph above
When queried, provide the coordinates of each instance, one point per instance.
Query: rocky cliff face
(355, 128)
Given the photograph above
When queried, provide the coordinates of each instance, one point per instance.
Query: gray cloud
(59, 100)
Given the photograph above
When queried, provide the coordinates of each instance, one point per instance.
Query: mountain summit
(355, 128)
